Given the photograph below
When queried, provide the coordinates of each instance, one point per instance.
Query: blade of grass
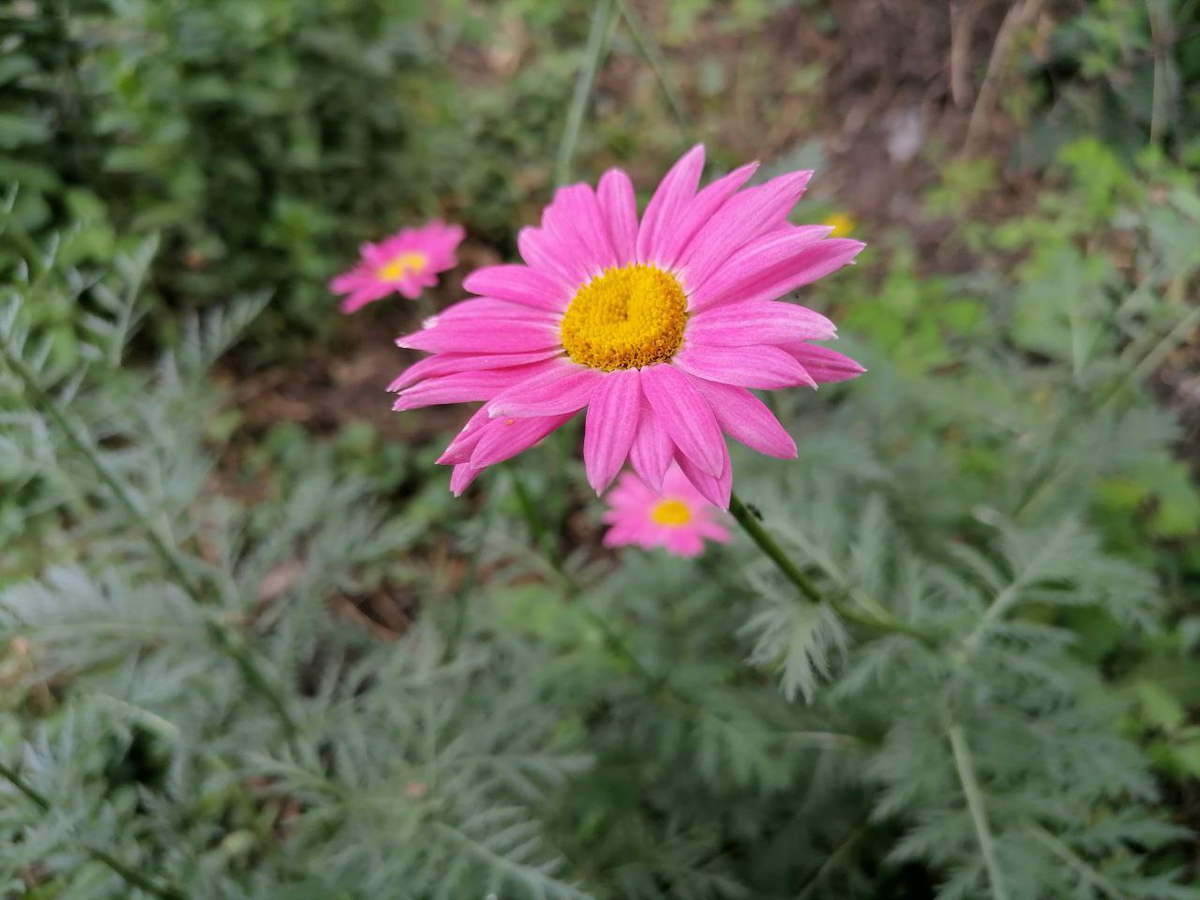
(658, 65)
(594, 53)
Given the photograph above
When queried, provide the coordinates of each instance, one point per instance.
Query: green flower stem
(228, 643)
(129, 874)
(880, 620)
(774, 552)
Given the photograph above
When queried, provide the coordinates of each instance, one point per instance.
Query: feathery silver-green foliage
(205, 712)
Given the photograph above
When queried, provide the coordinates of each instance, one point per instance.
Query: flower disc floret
(625, 318)
(403, 265)
(671, 513)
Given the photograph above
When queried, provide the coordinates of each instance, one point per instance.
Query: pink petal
(758, 322)
(465, 442)
(685, 415)
(351, 281)
(612, 421)
(823, 364)
(489, 308)
(744, 217)
(575, 216)
(461, 478)
(469, 336)
(652, 449)
(504, 438)
(451, 363)
(714, 490)
(362, 296)
(518, 284)
(763, 366)
(683, 542)
(540, 251)
(617, 204)
(563, 388)
(745, 418)
(755, 258)
(714, 531)
(465, 387)
(699, 210)
(674, 191)
(805, 267)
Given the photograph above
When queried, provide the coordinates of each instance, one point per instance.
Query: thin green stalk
(983, 832)
(657, 63)
(129, 874)
(774, 552)
(597, 46)
(881, 620)
(217, 630)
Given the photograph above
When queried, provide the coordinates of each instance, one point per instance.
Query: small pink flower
(659, 327)
(679, 519)
(407, 263)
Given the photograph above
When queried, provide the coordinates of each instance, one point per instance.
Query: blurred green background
(251, 647)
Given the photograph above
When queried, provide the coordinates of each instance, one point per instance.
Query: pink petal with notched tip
(745, 418)
(674, 191)
(652, 450)
(760, 322)
(762, 366)
(564, 387)
(518, 284)
(462, 476)
(612, 421)
(685, 416)
(619, 209)
(715, 490)
(823, 364)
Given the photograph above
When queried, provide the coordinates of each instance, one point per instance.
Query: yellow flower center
(841, 224)
(625, 318)
(402, 265)
(671, 513)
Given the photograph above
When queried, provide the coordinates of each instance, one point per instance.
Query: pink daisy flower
(679, 519)
(406, 263)
(658, 328)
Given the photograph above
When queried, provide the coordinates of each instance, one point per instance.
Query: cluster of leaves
(275, 667)
(207, 707)
(263, 141)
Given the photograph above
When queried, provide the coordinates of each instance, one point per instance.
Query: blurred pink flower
(658, 328)
(406, 263)
(679, 519)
